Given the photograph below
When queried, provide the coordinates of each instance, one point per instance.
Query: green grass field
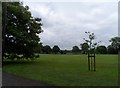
(67, 70)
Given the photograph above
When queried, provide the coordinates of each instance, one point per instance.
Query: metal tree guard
(91, 61)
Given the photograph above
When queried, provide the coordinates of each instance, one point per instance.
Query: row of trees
(88, 46)
(47, 49)
(99, 49)
(84, 47)
(110, 49)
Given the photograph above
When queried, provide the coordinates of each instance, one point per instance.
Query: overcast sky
(65, 23)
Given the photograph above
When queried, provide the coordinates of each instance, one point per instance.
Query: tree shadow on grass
(18, 62)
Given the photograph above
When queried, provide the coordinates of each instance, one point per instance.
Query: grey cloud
(64, 24)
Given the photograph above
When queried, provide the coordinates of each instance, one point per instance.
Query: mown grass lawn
(67, 70)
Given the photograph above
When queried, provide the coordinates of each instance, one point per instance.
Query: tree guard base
(91, 62)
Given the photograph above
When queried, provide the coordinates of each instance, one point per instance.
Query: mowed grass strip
(67, 70)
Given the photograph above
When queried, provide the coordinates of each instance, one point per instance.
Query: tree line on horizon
(84, 47)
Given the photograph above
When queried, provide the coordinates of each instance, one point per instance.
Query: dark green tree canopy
(111, 50)
(21, 31)
(101, 50)
(56, 49)
(115, 42)
(115, 45)
(47, 49)
(84, 48)
(75, 49)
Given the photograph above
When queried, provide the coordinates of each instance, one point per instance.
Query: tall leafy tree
(46, 49)
(20, 37)
(84, 48)
(115, 43)
(75, 49)
(56, 49)
(111, 50)
(101, 49)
